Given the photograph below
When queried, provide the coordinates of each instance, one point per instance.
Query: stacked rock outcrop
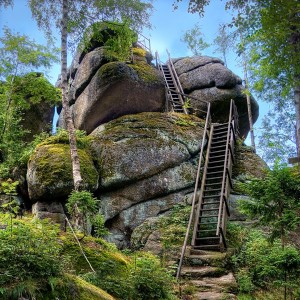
(141, 161)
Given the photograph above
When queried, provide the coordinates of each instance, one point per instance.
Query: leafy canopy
(19, 54)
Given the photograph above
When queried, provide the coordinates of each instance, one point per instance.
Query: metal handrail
(204, 173)
(207, 123)
(174, 71)
(145, 42)
(159, 67)
(224, 188)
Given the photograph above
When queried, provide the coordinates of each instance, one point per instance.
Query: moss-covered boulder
(247, 165)
(102, 87)
(49, 173)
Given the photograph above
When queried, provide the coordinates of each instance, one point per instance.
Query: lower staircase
(202, 263)
(212, 211)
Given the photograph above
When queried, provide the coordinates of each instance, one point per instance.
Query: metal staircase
(213, 209)
(210, 208)
(174, 92)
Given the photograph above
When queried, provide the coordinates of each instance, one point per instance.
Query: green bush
(149, 279)
(262, 265)
(142, 279)
(83, 207)
(28, 252)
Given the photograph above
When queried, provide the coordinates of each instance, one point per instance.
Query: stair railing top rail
(174, 72)
(231, 120)
(144, 42)
(159, 64)
(206, 127)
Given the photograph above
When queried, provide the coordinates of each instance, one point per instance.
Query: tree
(6, 3)
(274, 201)
(224, 42)
(193, 39)
(20, 55)
(72, 18)
(273, 29)
(276, 143)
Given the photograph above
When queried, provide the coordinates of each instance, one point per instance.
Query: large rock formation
(103, 89)
(146, 163)
(140, 161)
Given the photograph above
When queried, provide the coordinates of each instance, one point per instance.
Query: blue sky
(168, 29)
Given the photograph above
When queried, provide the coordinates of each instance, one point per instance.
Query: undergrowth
(37, 261)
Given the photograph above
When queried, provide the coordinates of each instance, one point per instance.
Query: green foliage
(28, 252)
(274, 200)
(143, 278)
(62, 137)
(19, 54)
(276, 142)
(149, 279)
(82, 14)
(261, 265)
(193, 39)
(82, 206)
(34, 88)
(187, 103)
(173, 227)
(9, 187)
(20, 89)
(120, 43)
(99, 228)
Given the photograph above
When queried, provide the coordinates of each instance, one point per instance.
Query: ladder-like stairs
(213, 205)
(174, 98)
(174, 92)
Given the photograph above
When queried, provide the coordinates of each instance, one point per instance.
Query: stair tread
(208, 209)
(207, 238)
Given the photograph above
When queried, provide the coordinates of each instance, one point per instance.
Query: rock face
(103, 89)
(206, 78)
(140, 161)
(146, 163)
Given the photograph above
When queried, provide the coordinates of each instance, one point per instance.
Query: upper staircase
(174, 92)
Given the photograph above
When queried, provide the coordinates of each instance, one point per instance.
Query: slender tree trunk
(297, 113)
(248, 95)
(77, 179)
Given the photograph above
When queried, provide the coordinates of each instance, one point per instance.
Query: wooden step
(207, 216)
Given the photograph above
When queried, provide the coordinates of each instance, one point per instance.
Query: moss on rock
(138, 146)
(49, 172)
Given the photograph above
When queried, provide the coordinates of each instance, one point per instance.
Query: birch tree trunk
(297, 113)
(247, 94)
(77, 179)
